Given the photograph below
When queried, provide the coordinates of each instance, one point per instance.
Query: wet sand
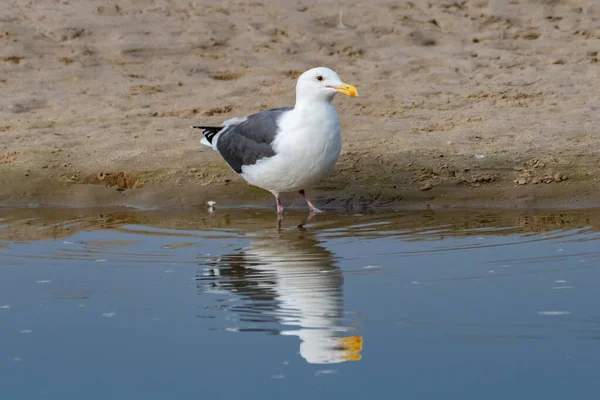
(461, 104)
(25, 224)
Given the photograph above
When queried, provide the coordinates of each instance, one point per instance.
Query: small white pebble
(479, 156)
(211, 206)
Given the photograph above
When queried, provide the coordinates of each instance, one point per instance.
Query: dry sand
(461, 102)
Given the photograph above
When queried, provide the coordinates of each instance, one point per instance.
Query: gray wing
(251, 140)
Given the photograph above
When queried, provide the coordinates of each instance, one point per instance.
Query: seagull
(286, 149)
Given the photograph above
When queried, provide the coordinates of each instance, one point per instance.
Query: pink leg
(280, 209)
(313, 209)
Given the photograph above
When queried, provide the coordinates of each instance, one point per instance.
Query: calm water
(118, 304)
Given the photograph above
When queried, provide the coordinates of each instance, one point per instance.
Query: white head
(321, 84)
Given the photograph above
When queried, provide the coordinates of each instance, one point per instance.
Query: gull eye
(320, 78)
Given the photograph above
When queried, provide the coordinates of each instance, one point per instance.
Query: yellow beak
(345, 88)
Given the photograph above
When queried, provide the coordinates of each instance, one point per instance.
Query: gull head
(322, 84)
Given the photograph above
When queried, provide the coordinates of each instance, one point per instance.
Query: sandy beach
(462, 103)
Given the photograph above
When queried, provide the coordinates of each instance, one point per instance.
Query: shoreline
(26, 224)
(420, 187)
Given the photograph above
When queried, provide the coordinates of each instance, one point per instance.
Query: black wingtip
(209, 132)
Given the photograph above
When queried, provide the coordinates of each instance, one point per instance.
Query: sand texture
(461, 102)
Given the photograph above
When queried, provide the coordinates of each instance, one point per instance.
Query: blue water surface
(121, 304)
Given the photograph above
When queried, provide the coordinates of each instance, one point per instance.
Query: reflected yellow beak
(348, 89)
(352, 346)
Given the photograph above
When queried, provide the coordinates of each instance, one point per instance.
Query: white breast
(307, 148)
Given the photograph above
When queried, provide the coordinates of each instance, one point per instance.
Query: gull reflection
(289, 285)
